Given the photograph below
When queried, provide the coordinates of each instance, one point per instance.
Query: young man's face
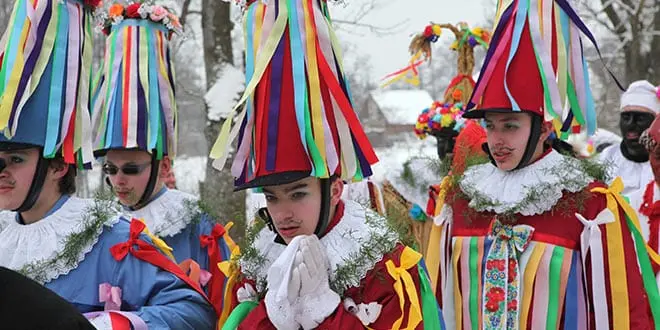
(131, 170)
(507, 135)
(16, 178)
(295, 207)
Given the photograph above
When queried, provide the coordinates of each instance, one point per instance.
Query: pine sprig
(382, 240)
(94, 218)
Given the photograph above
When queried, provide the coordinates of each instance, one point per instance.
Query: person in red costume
(316, 261)
(533, 239)
(646, 201)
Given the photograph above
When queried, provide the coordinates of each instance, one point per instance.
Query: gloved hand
(316, 300)
(283, 289)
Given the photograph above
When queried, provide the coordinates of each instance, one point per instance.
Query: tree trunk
(217, 190)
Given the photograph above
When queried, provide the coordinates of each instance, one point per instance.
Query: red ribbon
(217, 280)
(147, 252)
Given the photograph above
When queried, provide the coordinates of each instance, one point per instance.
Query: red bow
(147, 252)
(119, 251)
(211, 241)
(217, 282)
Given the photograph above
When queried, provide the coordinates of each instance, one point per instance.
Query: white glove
(283, 289)
(316, 301)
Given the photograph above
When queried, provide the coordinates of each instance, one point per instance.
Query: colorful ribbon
(502, 275)
(111, 296)
(403, 281)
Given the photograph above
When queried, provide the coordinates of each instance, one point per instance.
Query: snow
(402, 107)
(189, 172)
(253, 202)
(224, 94)
(423, 158)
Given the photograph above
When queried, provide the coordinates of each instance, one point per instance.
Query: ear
(58, 170)
(165, 167)
(336, 190)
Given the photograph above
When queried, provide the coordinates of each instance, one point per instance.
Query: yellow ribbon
(615, 190)
(159, 243)
(616, 255)
(528, 286)
(433, 249)
(403, 279)
(231, 270)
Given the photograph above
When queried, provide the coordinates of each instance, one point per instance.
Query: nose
(281, 213)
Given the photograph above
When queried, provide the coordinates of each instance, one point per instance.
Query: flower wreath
(139, 10)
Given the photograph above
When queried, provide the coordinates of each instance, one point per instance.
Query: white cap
(642, 94)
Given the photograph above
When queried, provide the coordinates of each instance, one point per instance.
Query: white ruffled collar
(26, 245)
(168, 214)
(490, 189)
(343, 244)
(634, 175)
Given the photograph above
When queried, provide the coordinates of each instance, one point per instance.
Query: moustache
(7, 183)
(503, 149)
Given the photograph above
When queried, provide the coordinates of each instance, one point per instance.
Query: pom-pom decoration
(439, 116)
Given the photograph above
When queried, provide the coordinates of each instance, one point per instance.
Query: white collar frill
(24, 247)
(355, 233)
(170, 213)
(533, 189)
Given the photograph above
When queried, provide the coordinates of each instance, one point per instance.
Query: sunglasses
(128, 169)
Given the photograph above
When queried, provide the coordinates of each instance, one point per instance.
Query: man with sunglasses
(138, 140)
(81, 249)
(629, 159)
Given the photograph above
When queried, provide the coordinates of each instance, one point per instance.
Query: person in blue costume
(134, 116)
(78, 248)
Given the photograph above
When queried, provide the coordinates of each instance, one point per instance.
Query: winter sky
(390, 52)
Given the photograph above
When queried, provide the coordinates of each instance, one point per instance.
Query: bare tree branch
(617, 23)
(185, 10)
(378, 30)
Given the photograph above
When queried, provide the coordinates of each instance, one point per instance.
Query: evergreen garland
(93, 219)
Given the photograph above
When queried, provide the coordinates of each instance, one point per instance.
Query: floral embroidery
(501, 285)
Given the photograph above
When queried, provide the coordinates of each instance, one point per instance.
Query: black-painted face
(632, 124)
(445, 138)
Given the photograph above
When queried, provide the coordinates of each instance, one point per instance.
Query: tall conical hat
(45, 73)
(133, 104)
(298, 119)
(536, 64)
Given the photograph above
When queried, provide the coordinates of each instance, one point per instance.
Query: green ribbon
(648, 276)
(239, 314)
(430, 310)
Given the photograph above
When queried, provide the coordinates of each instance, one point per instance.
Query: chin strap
(324, 215)
(151, 184)
(37, 185)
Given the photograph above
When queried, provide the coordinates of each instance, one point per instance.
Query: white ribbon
(591, 240)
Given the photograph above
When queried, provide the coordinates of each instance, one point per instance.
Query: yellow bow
(402, 278)
(613, 196)
(159, 243)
